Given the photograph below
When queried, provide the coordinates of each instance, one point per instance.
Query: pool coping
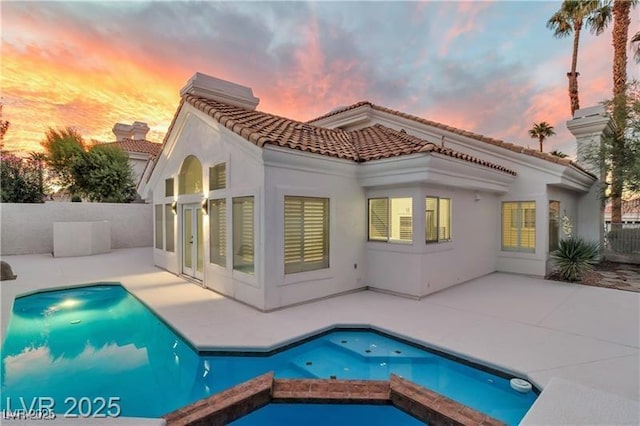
(417, 401)
(558, 338)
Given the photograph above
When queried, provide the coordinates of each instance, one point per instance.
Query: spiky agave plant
(575, 257)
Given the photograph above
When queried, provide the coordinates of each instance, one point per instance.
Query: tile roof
(486, 139)
(138, 145)
(371, 143)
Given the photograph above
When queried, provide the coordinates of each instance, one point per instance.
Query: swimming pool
(99, 344)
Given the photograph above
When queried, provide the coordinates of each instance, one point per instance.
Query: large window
(190, 177)
(437, 219)
(391, 219)
(169, 219)
(159, 227)
(218, 232)
(218, 177)
(243, 230)
(554, 225)
(519, 226)
(306, 234)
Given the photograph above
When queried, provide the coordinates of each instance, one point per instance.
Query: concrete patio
(580, 344)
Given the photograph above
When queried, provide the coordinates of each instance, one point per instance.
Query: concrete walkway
(568, 339)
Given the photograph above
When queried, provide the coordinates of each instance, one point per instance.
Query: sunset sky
(489, 67)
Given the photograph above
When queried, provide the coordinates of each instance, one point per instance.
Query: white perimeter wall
(28, 228)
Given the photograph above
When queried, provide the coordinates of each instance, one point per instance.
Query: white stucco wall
(195, 134)
(28, 228)
(300, 174)
(421, 268)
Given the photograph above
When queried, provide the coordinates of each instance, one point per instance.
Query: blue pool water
(327, 414)
(100, 342)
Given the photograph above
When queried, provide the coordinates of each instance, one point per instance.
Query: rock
(6, 274)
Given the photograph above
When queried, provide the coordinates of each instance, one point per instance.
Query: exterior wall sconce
(477, 198)
(174, 207)
(205, 207)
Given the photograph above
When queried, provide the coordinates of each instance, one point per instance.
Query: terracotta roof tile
(486, 139)
(138, 145)
(361, 145)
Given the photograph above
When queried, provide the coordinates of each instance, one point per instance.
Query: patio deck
(568, 339)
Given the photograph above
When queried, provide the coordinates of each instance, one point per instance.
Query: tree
(625, 152)
(557, 153)
(572, 16)
(635, 40)
(620, 34)
(4, 126)
(541, 131)
(64, 148)
(104, 175)
(22, 180)
(100, 173)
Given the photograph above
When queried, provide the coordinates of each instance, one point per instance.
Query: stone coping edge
(415, 400)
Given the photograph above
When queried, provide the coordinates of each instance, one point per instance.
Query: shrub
(575, 257)
(76, 199)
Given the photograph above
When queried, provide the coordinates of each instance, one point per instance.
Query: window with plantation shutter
(169, 233)
(243, 231)
(519, 226)
(391, 219)
(306, 234)
(159, 239)
(218, 232)
(218, 177)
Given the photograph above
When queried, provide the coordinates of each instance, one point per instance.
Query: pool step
(376, 350)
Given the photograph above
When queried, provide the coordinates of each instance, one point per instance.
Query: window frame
(522, 210)
(158, 230)
(214, 170)
(236, 266)
(437, 214)
(389, 221)
(554, 223)
(302, 265)
(220, 259)
(169, 229)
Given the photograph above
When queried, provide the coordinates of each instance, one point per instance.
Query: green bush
(575, 257)
(76, 199)
(624, 240)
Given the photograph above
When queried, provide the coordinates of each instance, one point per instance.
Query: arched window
(190, 177)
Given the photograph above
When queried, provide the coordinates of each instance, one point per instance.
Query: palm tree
(572, 16)
(557, 153)
(636, 39)
(541, 131)
(620, 34)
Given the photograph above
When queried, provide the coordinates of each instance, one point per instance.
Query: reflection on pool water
(101, 342)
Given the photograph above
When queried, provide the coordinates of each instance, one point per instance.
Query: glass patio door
(192, 241)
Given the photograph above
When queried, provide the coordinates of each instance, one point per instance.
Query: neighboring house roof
(631, 206)
(486, 139)
(371, 143)
(142, 146)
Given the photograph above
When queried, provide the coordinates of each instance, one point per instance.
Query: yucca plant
(575, 257)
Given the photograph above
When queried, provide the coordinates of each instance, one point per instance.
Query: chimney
(223, 91)
(138, 130)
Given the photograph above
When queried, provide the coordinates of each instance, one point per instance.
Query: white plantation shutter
(218, 177)
(243, 234)
(306, 234)
(218, 231)
(379, 219)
